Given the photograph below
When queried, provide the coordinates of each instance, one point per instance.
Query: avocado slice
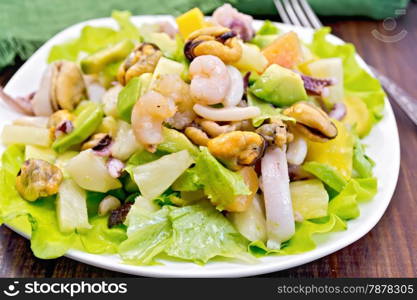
(175, 141)
(89, 117)
(264, 40)
(279, 86)
(130, 94)
(96, 62)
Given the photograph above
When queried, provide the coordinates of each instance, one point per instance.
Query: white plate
(383, 147)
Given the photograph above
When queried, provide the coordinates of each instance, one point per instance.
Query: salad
(204, 140)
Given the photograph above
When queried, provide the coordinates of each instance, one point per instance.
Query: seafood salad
(190, 140)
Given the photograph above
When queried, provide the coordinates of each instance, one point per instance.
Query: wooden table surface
(388, 250)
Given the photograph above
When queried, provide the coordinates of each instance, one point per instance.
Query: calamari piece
(20, 104)
(317, 86)
(227, 113)
(241, 24)
(278, 205)
(235, 93)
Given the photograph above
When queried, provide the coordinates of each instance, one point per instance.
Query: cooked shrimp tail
(148, 114)
(210, 80)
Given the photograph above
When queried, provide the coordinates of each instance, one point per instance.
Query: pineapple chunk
(37, 152)
(155, 177)
(125, 143)
(166, 66)
(90, 172)
(252, 59)
(251, 223)
(358, 115)
(309, 198)
(26, 135)
(337, 152)
(62, 161)
(71, 207)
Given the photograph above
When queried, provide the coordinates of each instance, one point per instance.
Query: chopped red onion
(115, 167)
(338, 112)
(64, 127)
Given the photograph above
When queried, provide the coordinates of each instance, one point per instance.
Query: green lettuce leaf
(36, 219)
(169, 197)
(197, 233)
(345, 205)
(265, 35)
(221, 185)
(366, 188)
(327, 174)
(148, 235)
(189, 181)
(93, 39)
(357, 82)
(142, 157)
(127, 30)
(268, 28)
(362, 164)
(267, 111)
(201, 233)
(101, 239)
(302, 240)
(175, 141)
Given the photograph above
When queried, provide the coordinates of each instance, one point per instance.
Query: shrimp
(210, 80)
(171, 85)
(235, 93)
(148, 114)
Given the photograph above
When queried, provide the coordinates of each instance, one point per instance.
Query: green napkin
(26, 24)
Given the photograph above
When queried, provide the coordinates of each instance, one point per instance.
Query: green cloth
(26, 24)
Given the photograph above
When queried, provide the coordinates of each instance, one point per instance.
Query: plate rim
(244, 269)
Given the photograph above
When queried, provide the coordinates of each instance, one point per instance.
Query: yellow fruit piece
(284, 51)
(190, 21)
(252, 59)
(337, 152)
(358, 115)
